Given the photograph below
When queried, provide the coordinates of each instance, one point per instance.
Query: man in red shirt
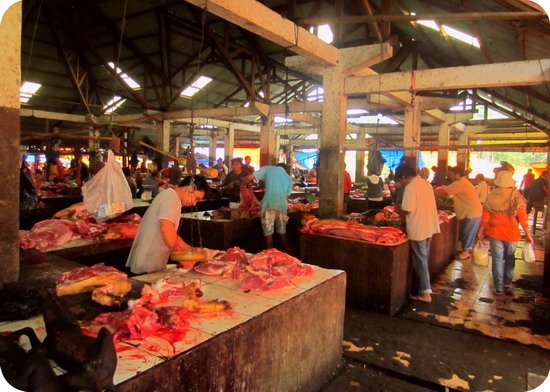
(527, 182)
(347, 184)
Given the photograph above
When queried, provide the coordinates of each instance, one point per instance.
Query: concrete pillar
(333, 142)
(229, 143)
(212, 145)
(360, 157)
(268, 141)
(125, 150)
(177, 146)
(462, 154)
(163, 138)
(10, 158)
(411, 134)
(442, 153)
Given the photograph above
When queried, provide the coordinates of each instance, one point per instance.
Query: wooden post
(333, 142)
(229, 143)
(360, 156)
(212, 145)
(546, 273)
(267, 142)
(10, 158)
(411, 132)
(443, 153)
(163, 137)
(462, 153)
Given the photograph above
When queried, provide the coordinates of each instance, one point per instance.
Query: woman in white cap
(503, 211)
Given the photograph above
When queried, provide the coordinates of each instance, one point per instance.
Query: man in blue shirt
(278, 186)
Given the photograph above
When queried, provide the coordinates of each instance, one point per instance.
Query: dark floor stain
(529, 282)
(486, 300)
(459, 283)
(538, 323)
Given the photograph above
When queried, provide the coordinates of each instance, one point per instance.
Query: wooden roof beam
(517, 73)
(259, 19)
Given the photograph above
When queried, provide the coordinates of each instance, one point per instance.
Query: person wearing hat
(503, 211)
(467, 208)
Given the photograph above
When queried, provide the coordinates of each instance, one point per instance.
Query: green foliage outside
(514, 158)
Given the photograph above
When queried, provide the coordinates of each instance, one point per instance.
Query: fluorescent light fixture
(128, 80)
(113, 104)
(353, 112)
(196, 86)
(281, 120)
(27, 90)
(451, 31)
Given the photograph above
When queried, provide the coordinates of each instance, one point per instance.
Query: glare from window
(376, 119)
(452, 32)
(128, 80)
(196, 86)
(27, 90)
(324, 32)
(353, 112)
(315, 95)
(281, 120)
(113, 104)
(312, 136)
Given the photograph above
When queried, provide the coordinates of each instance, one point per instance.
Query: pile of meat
(56, 232)
(356, 231)
(268, 270)
(298, 205)
(443, 215)
(162, 314)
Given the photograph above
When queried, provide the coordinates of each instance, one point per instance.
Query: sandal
(420, 299)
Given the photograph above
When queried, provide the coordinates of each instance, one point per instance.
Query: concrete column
(212, 145)
(360, 157)
(333, 142)
(411, 134)
(10, 158)
(177, 146)
(442, 153)
(462, 154)
(229, 143)
(163, 138)
(163, 135)
(268, 151)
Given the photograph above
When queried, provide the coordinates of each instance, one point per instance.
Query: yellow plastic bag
(480, 254)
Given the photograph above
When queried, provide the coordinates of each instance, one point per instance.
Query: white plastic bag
(480, 254)
(528, 253)
(107, 194)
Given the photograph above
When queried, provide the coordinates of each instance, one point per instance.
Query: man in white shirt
(422, 223)
(157, 235)
(468, 208)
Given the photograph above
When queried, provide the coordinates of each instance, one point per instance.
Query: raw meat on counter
(107, 284)
(47, 233)
(357, 231)
(299, 205)
(443, 216)
(268, 270)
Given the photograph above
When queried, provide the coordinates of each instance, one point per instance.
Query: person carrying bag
(503, 211)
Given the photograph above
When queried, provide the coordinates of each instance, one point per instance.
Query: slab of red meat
(123, 229)
(223, 262)
(247, 198)
(159, 292)
(88, 230)
(83, 273)
(46, 234)
(339, 228)
(255, 282)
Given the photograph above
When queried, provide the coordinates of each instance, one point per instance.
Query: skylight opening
(316, 95)
(376, 119)
(196, 86)
(113, 104)
(324, 32)
(281, 120)
(451, 31)
(27, 90)
(128, 80)
(354, 112)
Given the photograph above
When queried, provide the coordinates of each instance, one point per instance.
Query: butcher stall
(376, 259)
(361, 204)
(239, 334)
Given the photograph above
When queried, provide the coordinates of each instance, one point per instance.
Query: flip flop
(418, 299)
